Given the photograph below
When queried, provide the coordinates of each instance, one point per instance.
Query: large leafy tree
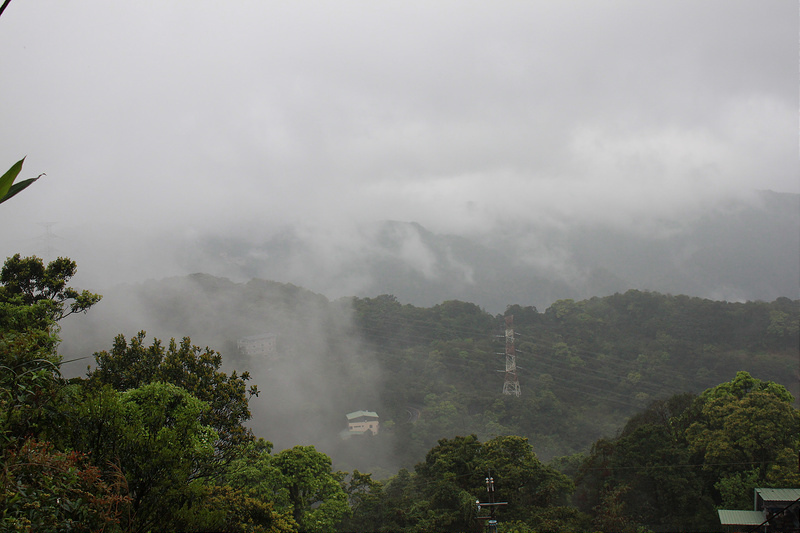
(28, 281)
(451, 472)
(165, 446)
(43, 487)
(316, 496)
(227, 509)
(746, 436)
(674, 463)
(197, 370)
(172, 473)
(441, 494)
(33, 297)
(253, 476)
(155, 436)
(365, 497)
(535, 492)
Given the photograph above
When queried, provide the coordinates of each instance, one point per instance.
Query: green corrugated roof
(779, 495)
(740, 518)
(356, 414)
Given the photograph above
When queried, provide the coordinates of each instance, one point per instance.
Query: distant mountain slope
(584, 365)
(738, 252)
(592, 361)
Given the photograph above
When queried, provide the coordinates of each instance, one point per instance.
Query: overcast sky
(166, 120)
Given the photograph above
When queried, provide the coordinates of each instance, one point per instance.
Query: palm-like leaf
(8, 188)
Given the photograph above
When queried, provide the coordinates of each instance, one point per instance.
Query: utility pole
(511, 385)
(491, 520)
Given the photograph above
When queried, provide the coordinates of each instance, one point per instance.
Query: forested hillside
(670, 469)
(584, 365)
(636, 410)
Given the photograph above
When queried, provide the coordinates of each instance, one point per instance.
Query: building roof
(778, 495)
(359, 414)
(740, 518)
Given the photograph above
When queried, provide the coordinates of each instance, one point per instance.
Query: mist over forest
(744, 249)
(736, 250)
(326, 364)
(374, 190)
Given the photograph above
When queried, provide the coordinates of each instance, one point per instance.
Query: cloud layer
(158, 123)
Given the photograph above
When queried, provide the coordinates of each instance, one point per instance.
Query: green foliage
(28, 385)
(589, 364)
(522, 479)
(154, 433)
(441, 494)
(253, 475)
(27, 281)
(252, 468)
(449, 471)
(736, 489)
(678, 461)
(155, 438)
(365, 497)
(168, 431)
(742, 385)
(32, 298)
(436, 372)
(128, 366)
(611, 514)
(9, 189)
(746, 424)
(316, 496)
(42, 489)
(401, 504)
(190, 367)
(229, 510)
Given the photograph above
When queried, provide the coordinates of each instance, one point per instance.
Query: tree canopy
(678, 461)
(155, 436)
(196, 370)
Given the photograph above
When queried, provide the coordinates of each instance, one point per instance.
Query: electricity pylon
(511, 385)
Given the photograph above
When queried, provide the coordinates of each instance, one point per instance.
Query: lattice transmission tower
(511, 385)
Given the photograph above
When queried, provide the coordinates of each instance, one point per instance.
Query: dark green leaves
(8, 188)
(30, 280)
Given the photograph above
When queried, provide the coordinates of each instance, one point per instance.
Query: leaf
(8, 178)
(17, 187)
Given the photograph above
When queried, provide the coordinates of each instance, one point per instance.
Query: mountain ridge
(739, 251)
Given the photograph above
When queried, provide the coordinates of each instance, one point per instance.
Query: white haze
(157, 123)
(161, 124)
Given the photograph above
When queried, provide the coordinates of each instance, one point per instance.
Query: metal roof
(778, 495)
(740, 518)
(357, 414)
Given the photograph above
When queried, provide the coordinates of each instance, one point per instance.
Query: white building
(359, 422)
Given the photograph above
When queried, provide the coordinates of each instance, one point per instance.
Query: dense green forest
(638, 410)
(584, 366)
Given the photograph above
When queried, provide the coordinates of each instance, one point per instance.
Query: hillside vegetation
(584, 366)
(171, 435)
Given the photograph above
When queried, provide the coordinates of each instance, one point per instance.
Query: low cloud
(161, 127)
